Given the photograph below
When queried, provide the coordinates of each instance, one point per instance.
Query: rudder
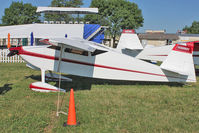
(180, 60)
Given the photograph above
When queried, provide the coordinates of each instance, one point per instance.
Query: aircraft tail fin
(129, 40)
(180, 60)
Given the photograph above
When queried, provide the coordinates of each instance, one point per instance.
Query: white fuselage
(108, 65)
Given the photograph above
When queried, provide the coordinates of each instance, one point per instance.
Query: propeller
(12, 53)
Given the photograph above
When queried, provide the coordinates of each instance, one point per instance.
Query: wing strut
(58, 95)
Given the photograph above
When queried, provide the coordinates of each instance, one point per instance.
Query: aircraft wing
(77, 43)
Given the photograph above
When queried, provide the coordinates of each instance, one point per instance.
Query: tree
(66, 3)
(193, 29)
(62, 3)
(118, 15)
(19, 13)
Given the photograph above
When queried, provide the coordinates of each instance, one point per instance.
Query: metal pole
(42, 75)
(78, 17)
(59, 67)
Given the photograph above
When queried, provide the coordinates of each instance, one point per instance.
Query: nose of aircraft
(14, 51)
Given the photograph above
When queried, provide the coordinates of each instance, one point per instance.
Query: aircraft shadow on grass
(4, 89)
(84, 83)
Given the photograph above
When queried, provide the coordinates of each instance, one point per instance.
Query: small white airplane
(129, 44)
(88, 59)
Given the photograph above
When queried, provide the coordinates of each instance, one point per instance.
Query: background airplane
(130, 44)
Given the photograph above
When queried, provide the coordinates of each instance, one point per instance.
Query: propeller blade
(13, 52)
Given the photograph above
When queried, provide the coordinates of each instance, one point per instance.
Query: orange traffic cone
(71, 112)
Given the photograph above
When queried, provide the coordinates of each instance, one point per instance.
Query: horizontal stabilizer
(44, 87)
(155, 53)
(55, 77)
(32, 67)
(180, 60)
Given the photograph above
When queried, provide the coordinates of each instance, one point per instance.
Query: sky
(169, 15)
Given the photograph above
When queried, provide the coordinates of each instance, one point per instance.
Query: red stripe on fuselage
(82, 63)
(167, 55)
(158, 55)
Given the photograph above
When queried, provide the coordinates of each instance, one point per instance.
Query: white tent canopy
(43, 30)
(67, 10)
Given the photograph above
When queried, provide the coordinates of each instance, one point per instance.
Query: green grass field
(101, 106)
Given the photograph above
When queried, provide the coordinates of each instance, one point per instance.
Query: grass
(101, 106)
